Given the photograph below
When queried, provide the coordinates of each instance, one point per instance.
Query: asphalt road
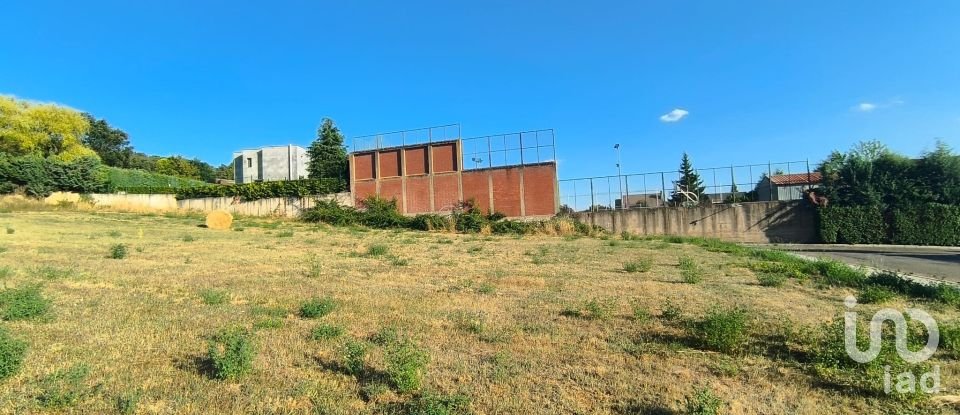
(922, 261)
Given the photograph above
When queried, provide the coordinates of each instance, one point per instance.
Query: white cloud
(870, 106)
(673, 116)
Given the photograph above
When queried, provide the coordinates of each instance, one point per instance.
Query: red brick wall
(416, 160)
(444, 158)
(390, 163)
(363, 166)
(418, 194)
(475, 187)
(506, 190)
(392, 189)
(361, 190)
(446, 191)
(539, 190)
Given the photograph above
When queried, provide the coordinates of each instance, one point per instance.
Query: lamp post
(477, 160)
(623, 203)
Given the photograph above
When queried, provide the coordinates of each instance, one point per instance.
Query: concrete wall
(758, 222)
(285, 207)
(426, 178)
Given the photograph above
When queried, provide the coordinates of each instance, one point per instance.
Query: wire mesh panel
(406, 137)
(510, 149)
(731, 184)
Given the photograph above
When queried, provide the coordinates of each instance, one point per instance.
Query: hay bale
(219, 219)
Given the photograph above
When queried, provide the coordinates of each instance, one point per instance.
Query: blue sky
(758, 80)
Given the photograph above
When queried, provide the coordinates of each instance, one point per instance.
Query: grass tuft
(64, 388)
(639, 265)
(212, 296)
(24, 303)
(326, 332)
(12, 353)
(317, 307)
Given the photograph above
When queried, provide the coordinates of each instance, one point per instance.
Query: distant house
(640, 200)
(787, 186)
(266, 164)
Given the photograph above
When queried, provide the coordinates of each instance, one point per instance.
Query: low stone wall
(285, 207)
(757, 222)
(282, 207)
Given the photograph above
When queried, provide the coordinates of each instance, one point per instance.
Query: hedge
(38, 176)
(144, 182)
(927, 224)
(265, 190)
(853, 225)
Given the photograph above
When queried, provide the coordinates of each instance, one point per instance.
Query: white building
(273, 163)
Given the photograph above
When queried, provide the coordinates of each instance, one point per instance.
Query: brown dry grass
(141, 325)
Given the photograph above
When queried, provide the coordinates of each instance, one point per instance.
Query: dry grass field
(510, 325)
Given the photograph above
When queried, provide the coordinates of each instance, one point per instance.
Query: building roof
(813, 177)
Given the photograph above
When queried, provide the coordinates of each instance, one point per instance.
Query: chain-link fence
(730, 184)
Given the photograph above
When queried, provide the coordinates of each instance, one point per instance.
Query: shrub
(702, 402)
(354, 356)
(38, 176)
(949, 338)
(874, 295)
(723, 330)
(231, 353)
(23, 303)
(514, 227)
(118, 251)
(670, 311)
(468, 218)
(639, 265)
(405, 364)
(188, 238)
(429, 222)
(326, 332)
(382, 214)
(64, 387)
(12, 352)
(331, 212)
(10, 230)
(595, 309)
(770, 279)
(317, 307)
(214, 297)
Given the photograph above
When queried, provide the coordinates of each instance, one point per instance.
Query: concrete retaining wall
(758, 222)
(287, 207)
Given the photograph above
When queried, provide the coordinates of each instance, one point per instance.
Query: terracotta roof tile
(795, 179)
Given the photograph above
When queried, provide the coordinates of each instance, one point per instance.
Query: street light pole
(623, 203)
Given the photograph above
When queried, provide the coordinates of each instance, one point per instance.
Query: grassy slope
(140, 323)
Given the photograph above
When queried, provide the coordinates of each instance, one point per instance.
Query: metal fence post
(592, 199)
(663, 188)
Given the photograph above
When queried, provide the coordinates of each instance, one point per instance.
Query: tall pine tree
(328, 155)
(689, 182)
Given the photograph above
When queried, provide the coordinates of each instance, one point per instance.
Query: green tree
(689, 182)
(177, 166)
(111, 144)
(328, 155)
(225, 171)
(205, 171)
(42, 129)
